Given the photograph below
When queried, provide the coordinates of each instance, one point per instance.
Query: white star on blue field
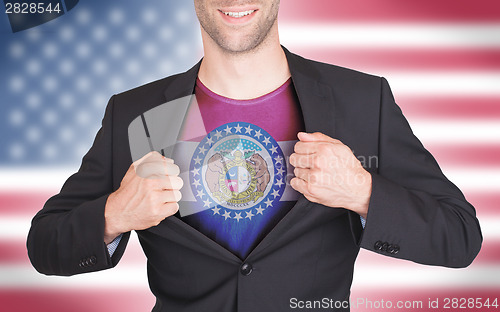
(57, 77)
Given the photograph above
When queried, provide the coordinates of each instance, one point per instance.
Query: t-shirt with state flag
(233, 156)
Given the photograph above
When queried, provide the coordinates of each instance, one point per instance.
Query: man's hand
(148, 193)
(328, 173)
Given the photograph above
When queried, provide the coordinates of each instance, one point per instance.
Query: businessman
(223, 226)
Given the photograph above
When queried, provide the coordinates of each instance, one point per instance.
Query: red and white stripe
(442, 60)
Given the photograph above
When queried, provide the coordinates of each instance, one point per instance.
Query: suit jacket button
(384, 246)
(390, 249)
(93, 260)
(378, 245)
(396, 249)
(246, 269)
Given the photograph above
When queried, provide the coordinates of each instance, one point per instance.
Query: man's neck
(244, 76)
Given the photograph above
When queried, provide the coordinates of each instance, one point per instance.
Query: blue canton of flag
(57, 77)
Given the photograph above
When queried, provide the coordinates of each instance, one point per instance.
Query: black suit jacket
(415, 213)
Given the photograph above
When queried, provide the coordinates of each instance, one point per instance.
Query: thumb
(152, 158)
(132, 169)
(316, 137)
(143, 158)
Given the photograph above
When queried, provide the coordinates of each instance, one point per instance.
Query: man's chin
(240, 46)
(239, 50)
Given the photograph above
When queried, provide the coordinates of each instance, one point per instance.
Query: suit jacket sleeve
(67, 235)
(414, 209)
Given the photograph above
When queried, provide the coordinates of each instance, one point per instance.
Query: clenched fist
(149, 192)
(327, 172)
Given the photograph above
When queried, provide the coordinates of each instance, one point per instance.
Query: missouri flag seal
(237, 168)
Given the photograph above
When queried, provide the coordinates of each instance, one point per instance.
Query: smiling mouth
(239, 14)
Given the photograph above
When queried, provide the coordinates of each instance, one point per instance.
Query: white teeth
(239, 14)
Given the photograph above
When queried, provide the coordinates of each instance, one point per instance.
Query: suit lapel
(158, 128)
(315, 98)
(183, 84)
(318, 107)
(179, 95)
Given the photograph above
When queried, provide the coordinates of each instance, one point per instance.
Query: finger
(151, 170)
(132, 169)
(163, 183)
(298, 184)
(322, 149)
(311, 176)
(170, 196)
(152, 154)
(303, 160)
(301, 173)
(307, 148)
(172, 183)
(157, 169)
(171, 208)
(301, 186)
(156, 157)
(129, 175)
(316, 137)
(172, 169)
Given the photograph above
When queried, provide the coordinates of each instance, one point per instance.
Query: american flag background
(441, 57)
